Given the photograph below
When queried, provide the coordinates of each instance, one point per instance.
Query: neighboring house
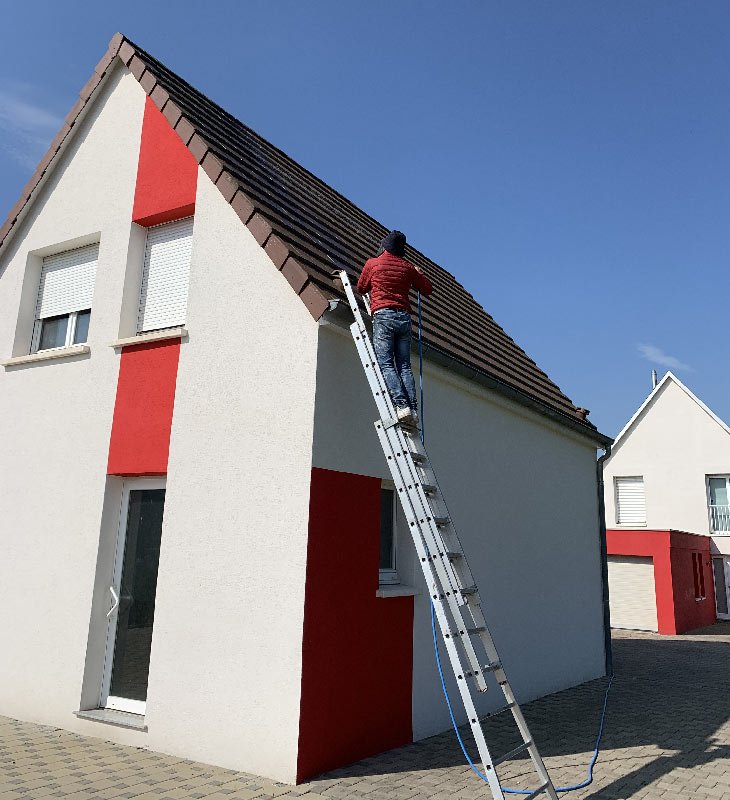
(188, 444)
(669, 470)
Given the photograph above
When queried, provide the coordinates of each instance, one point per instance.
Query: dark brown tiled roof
(308, 229)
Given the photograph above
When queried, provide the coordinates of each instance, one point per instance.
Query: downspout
(604, 560)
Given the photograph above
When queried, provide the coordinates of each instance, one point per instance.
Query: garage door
(632, 593)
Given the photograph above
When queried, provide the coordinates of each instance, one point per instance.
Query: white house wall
(225, 668)
(674, 444)
(55, 416)
(522, 493)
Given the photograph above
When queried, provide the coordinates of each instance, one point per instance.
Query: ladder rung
(419, 458)
(452, 554)
(476, 631)
(498, 711)
(539, 790)
(512, 753)
(495, 665)
(468, 590)
(441, 522)
(429, 488)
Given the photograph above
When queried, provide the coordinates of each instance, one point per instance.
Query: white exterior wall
(55, 417)
(522, 493)
(674, 444)
(225, 671)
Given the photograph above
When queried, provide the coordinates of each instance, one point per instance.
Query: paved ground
(667, 736)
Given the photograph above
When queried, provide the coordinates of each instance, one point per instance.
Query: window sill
(122, 719)
(396, 590)
(48, 355)
(153, 336)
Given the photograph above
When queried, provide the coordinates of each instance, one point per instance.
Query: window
(164, 296)
(699, 576)
(388, 518)
(630, 501)
(63, 310)
(717, 495)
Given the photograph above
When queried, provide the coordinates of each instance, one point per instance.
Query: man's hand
(418, 269)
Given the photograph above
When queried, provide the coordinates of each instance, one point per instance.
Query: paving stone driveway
(667, 736)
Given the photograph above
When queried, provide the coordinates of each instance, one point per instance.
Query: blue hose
(596, 751)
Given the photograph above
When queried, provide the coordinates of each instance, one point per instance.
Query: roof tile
(227, 186)
(242, 206)
(314, 300)
(160, 97)
(211, 166)
(198, 147)
(259, 227)
(278, 252)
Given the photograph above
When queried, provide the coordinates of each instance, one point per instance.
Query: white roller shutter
(632, 593)
(164, 297)
(67, 282)
(630, 501)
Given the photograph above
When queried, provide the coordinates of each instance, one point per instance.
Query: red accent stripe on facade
(140, 439)
(357, 652)
(677, 608)
(167, 174)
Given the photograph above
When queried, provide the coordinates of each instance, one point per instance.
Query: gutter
(603, 543)
(339, 310)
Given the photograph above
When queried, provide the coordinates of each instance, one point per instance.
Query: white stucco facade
(225, 668)
(674, 442)
(56, 415)
(523, 496)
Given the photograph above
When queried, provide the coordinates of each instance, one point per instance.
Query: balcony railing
(720, 519)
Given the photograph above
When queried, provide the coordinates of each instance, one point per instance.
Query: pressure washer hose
(596, 751)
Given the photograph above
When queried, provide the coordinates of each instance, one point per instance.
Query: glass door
(721, 570)
(132, 592)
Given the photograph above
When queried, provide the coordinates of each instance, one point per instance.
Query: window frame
(719, 531)
(70, 331)
(617, 505)
(389, 576)
(140, 329)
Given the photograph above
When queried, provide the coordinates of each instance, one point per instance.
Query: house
(668, 473)
(202, 553)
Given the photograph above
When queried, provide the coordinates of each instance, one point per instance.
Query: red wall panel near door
(357, 652)
(167, 174)
(689, 612)
(140, 437)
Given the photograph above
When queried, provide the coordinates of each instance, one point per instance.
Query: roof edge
(120, 48)
(669, 376)
(337, 311)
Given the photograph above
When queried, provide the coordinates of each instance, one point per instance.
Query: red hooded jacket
(389, 278)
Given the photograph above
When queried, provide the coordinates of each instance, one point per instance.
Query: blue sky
(568, 161)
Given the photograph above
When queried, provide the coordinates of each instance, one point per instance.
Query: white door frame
(105, 699)
(726, 564)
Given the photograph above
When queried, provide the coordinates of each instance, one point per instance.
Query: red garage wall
(688, 612)
(671, 551)
(357, 653)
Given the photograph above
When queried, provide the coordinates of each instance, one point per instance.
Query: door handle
(115, 596)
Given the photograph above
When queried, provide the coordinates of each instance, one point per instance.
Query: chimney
(582, 413)
(653, 379)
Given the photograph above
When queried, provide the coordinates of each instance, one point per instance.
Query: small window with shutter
(630, 501)
(63, 309)
(164, 295)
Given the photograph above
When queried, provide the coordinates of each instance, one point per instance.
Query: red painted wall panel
(167, 174)
(357, 669)
(140, 438)
(677, 609)
(691, 613)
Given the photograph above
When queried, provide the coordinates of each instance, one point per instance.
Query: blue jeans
(392, 345)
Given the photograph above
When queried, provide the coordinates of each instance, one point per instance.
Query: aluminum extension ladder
(453, 592)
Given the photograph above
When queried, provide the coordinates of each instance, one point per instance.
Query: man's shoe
(406, 416)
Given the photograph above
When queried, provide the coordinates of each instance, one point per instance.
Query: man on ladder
(388, 278)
